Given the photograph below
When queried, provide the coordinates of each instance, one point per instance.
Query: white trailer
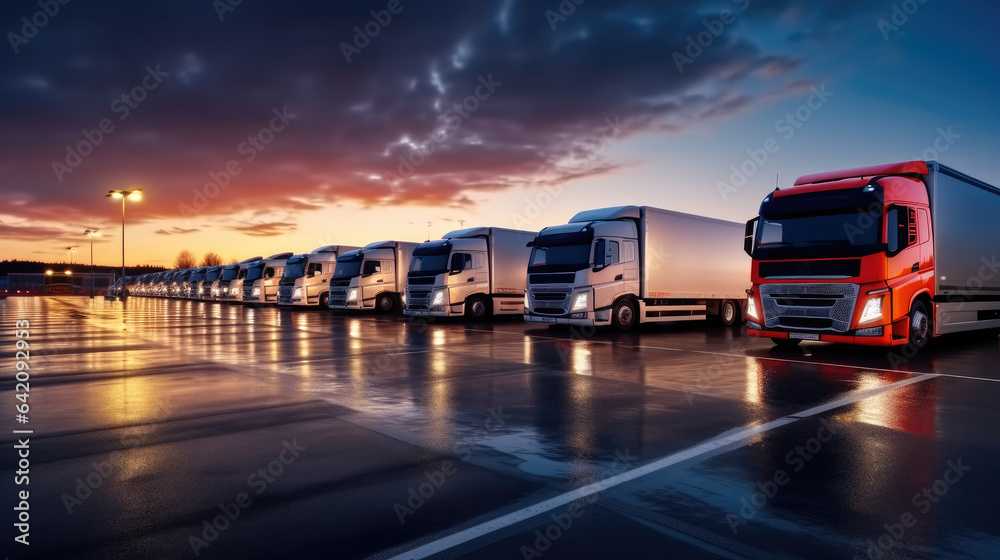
(372, 278)
(305, 281)
(636, 264)
(476, 272)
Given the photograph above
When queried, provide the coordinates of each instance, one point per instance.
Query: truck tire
(624, 315)
(786, 342)
(324, 300)
(729, 313)
(385, 303)
(921, 325)
(478, 308)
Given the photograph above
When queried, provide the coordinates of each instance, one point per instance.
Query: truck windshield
(818, 236)
(559, 258)
(823, 224)
(255, 272)
(347, 267)
(429, 264)
(561, 251)
(212, 275)
(430, 258)
(296, 268)
(230, 273)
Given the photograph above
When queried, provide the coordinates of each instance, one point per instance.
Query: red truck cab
(849, 256)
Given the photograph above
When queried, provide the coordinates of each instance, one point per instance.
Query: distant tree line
(39, 267)
(187, 259)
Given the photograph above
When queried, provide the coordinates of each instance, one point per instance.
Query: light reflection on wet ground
(182, 401)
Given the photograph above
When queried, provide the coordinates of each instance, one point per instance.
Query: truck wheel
(921, 329)
(478, 308)
(624, 315)
(385, 303)
(786, 342)
(324, 300)
(730, 313)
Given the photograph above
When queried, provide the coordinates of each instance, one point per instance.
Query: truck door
(904, 251)
(608, 271)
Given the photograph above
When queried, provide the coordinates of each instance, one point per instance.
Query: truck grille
(809, 306)
(285, 294)
(247, 291)
(418, 299)
(420, 280)
(548, 302)
(338, 296)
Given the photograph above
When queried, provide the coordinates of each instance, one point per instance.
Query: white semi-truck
(476, 272)
(230, 285)
(261, 282)
(305, 281)
(372, 278)
(636, 264)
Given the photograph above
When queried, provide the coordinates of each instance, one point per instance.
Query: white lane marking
(708, 446)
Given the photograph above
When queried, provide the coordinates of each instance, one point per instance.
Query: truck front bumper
(453, 310)
(885, 337)
(581, 319)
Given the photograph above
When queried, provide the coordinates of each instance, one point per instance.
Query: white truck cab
(230, 284)
(476, 272)
(305, 281)
(372, 278)
(261, 282)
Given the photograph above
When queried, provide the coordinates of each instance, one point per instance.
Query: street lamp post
(91, 233)
(134, 194)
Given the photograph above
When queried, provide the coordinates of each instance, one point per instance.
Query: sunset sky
(606, 103)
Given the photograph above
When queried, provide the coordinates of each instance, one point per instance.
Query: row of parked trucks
(882, 255)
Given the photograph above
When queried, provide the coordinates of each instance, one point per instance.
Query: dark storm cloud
(201, 94)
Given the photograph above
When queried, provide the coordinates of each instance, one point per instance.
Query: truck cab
(306, 278)
(873, 256)
(261, 282)
(577, 270)
(475, 272)
(230, 284)
(371, 278)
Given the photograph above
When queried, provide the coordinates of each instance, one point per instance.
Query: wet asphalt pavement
(177, 429)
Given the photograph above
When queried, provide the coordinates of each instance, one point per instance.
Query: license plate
(803, 336)
(548, 319)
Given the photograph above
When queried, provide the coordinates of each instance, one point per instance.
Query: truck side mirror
(748, 235)
(457, 263)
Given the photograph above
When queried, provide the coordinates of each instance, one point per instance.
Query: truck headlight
(256, 292)
(579, 302)
(752, 308)
(297, 293)
(352, 294)
(438, 298)
(872, 310)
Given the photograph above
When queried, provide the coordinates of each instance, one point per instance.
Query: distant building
(80, 283)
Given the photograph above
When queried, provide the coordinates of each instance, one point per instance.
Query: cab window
(372, 267)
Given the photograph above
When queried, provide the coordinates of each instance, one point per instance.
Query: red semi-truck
(885, 255)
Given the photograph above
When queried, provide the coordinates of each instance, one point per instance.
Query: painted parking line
(738, 439)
